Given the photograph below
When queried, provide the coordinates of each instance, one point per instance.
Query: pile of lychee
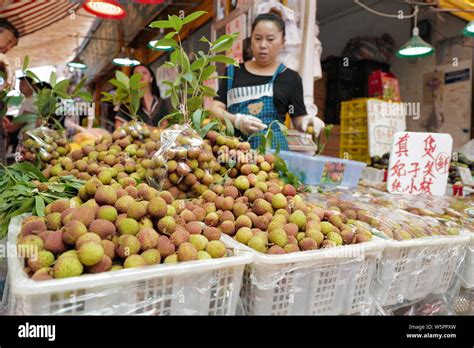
(116, 228)
(393, 223)
(184, 165)
(126, 153)
(44, 145)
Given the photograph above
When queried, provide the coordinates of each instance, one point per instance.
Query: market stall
(139, 190)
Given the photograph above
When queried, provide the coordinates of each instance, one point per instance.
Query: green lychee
(278, 237)
(66, 267)
(90, 253)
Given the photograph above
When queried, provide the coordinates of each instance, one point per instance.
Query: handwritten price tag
(419, 163)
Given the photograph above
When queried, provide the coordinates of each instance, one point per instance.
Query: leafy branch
(48, 99)
(129, 92)
(188, 89)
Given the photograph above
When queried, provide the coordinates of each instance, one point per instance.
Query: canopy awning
(459, 4)
(29, 16)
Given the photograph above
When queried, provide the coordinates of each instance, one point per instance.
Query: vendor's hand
(248, 124)
(317, 124)
(9, 72)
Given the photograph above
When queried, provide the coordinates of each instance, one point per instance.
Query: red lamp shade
(109, 9)
(153, 2)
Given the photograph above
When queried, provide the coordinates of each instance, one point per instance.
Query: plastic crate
(468, 277)
(354, 139)
(312, 168)
(205, 287)
(335, 281)
(355, 153)
(412, 269)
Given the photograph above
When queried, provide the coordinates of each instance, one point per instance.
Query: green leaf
(85, 95)
(204, 130)
(26, 62)
(198, 64)
(223, 43)
(61, 88)
(204, 39)
(177, 81)
(176, 22)
(26, 118)
(170, 35)
(123, 78)
(135, 80)
(52, 79)
(26, 206)
(222, 59)
(189, 76)
(15, 100)
(161, 24)
(79, 86)
(193, 16)
(194, 103)
(209, 91)
(27, 169)
(39, 206)
(118, 84)
(197, 118)
(32, 76)
(166, 42)
(229, 127)
(207, 72)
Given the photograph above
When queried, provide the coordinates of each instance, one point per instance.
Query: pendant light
(469, 29)
(108, 9)
(77, 63)
(153, 46)
(416, 47)
(124, 59)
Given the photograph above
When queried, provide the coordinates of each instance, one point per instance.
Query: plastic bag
(42, 144)
(184, 164)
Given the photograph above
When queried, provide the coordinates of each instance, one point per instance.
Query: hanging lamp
(416, 47)
(107, 9)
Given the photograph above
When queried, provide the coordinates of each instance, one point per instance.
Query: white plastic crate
(468, 277)
(412, 269)
(205, 287)
(320, 282)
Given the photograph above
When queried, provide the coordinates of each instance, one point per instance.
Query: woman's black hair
(272, 16)
(5, 24)
(155, 90)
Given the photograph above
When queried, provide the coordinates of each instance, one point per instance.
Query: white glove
(316, 122)
(248, 124)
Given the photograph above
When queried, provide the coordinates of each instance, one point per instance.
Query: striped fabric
(29, 16)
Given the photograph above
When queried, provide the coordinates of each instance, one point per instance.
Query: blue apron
(256, 101)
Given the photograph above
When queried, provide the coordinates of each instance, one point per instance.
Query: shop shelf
(313, 169)
(412, 269)
(205, 287)
(335, 281)
(356, 153)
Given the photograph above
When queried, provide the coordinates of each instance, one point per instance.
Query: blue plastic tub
(312, 171)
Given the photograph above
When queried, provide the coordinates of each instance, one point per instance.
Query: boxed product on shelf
(204, 287)
(334, 281)
(322, 170)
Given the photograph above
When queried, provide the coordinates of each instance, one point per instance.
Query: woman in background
(262, 90)
(152, 107)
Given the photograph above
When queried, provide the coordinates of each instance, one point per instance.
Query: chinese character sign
(419, 163)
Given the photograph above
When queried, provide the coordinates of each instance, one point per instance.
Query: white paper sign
(419, 163)
(466, 176)
(384, 119)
